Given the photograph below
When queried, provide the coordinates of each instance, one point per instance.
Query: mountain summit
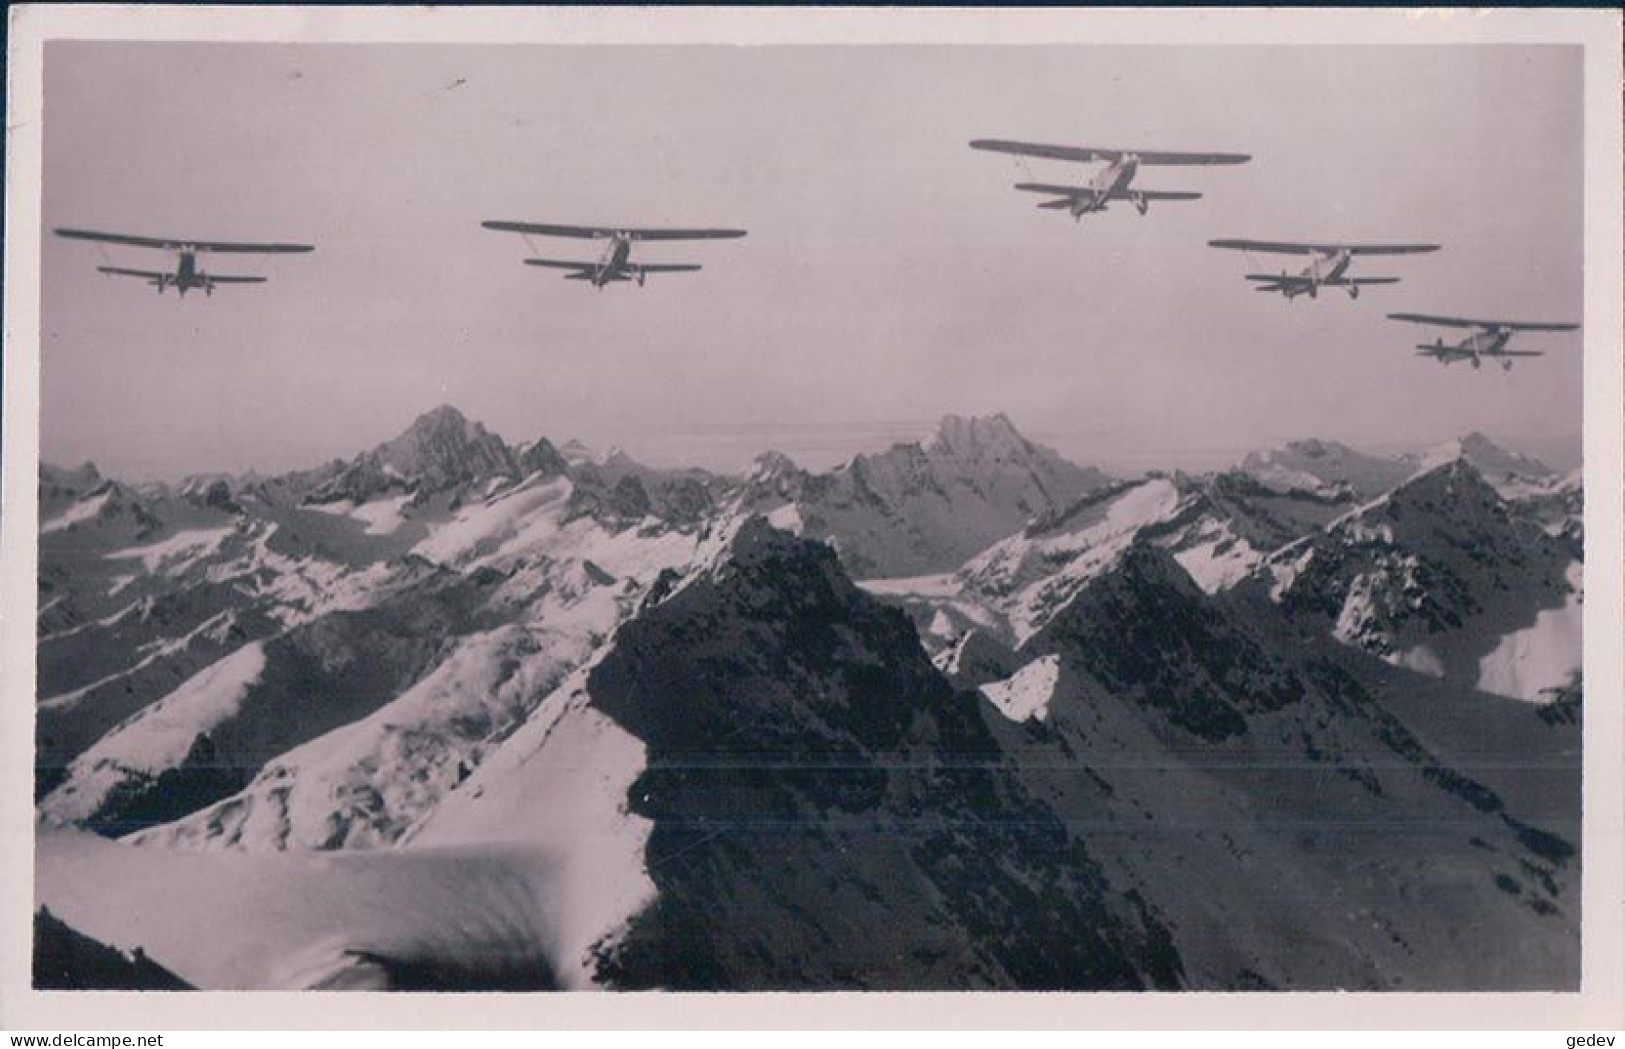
(924, 507)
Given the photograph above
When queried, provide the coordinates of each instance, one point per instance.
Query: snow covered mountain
(1068, 732)
(1442, 576)
(1511, 474)
(922, 507)
(440, 450)
(1219, 753)
(1312, 464)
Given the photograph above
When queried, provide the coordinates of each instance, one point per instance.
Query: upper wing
(174, 244)
(247, 249)
(1289, 248)
(1080, 154)
(1090, 154)
(1191, 158)
(684, 234)
(601, 232)
(546, 230)
(1469, 322)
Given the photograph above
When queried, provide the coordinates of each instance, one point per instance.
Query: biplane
(186, 275)
(1114, 182)
(1489, 341)
(614, 262)
(1328, 265)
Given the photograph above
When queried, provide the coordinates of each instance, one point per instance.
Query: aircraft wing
(1059, 191)
(1090, 154)
(227, 278)
(247, 249)
(1084, 191)
(603, 232)
(1289, 248)
(173, 244)
(1156, 194)
(120, 271)
(1188, 159)
(661, 267)
(1469, 322)
(1516, 353)
(562, 264)
(1079, 154)
(684, 234)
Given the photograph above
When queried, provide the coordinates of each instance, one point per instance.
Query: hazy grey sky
(890, 275)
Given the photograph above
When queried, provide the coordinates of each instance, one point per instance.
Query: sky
(890, 276)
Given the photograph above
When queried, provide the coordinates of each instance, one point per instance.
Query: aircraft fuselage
(613, 265)
(1473, 348)
(1110, 181)
(1328, 268)
(186, 277)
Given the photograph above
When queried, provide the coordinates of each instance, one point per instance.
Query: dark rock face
(830, 813)
(65, 960)
(441, 450)
(1145, 632)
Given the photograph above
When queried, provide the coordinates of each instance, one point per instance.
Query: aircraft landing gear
(1477, 364)
(1141, 204)
(641, 276)
(1354, 291)
(1506, 366)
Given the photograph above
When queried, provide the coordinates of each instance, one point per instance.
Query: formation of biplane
(1324, 265)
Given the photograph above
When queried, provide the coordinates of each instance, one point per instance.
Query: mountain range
(958, 714)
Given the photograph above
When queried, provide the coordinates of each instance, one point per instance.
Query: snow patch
(941, 586)
(1421, 659)
(561, 783)
(296, 921)
(1026, 693)
(1220, 560)
(177, 553)
(1545, 655)
(83, 510)
(159, 736)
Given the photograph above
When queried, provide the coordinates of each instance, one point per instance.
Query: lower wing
(1059, 191)
(1073, 192)
(120, 271)
(226, 278)
(660, 267)
(1155, 194)
(561, 264)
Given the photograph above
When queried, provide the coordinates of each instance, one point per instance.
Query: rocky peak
(979, 438)
(1493, 461)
